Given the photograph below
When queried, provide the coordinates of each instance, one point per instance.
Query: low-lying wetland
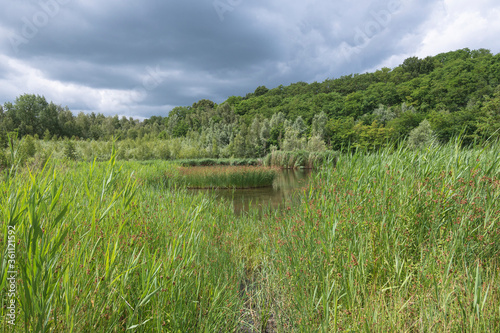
(394, 241)
(226, 177)
(244, 187)
(284, 192)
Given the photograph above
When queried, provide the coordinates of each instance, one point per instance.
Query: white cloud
(452, 25)
(23, 78)
(460, 24)
(91, 58)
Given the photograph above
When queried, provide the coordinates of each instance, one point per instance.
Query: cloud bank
(143, 58)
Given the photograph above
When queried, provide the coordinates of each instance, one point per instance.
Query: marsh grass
(94, 253)
(300, 159)
(394, 241)
(227, 177)
(219, 162)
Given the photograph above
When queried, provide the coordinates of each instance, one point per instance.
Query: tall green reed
(395, 240)
(391, 232)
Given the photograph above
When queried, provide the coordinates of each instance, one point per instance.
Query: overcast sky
(142, 58)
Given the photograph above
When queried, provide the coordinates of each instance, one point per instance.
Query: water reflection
(283, 193)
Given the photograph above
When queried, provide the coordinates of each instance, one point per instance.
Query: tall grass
(226, 177)
(398, 240)
(299, 159)
(394, 241)
(98, 252)
(219, 162)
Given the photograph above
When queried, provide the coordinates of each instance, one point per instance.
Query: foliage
(421, 136)
(69, 150)
(394, 240)
(299, 159)
(385, 238)
(27, 148)
(316, 144)
(457, 92)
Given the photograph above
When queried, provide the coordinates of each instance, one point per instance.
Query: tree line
(435, 98)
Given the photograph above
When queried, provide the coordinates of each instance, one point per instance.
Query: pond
(283, 193)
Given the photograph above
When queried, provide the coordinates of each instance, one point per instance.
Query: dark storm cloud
(143, 58)
(90, 44)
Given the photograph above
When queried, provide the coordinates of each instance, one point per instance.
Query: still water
(285, 192)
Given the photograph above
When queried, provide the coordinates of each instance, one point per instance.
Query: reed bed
(400, 241)
(300, 159)
(219, 162)
(225, 177)
(392, 241)
(98, 249)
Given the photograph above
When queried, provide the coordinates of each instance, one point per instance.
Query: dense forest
(436, 98)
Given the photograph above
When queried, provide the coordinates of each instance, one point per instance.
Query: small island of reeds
(226, 177)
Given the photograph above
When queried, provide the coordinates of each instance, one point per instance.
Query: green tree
(254, 142)
(261, 90)
(292, 140)
(415, 66)
(421, 136)
(177, 126)
(82, 125)
(384, 114)
(300, 126)
(340, 132)
(241, 142)
(3, 129)
(489, 124)
(316, 144)
(264, 135)
(70, 150)
(27, 110)
(66, 122)
(239, 146)
(407, 118)
(205, 104)
(46, 135)
(277, 129)
(318, 125)
(373, 136)
(215, 148)
(49, 119)
(27, 148)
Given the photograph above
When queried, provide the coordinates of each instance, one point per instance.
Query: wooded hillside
(437, 97)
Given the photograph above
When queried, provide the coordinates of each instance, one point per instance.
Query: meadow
(395, 240)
